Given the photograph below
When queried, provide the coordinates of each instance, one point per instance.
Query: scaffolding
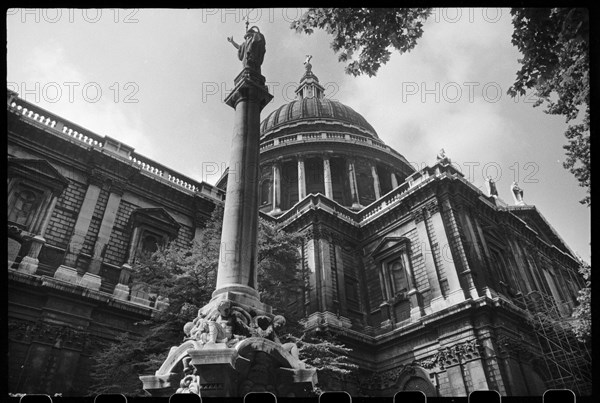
(567, 360)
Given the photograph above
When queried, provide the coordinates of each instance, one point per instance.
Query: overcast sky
(156, 79)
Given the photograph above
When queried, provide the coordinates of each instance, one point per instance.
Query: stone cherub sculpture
(224, 326)
(266, 327)
(252, 51)
(198, 329)
(189, 384)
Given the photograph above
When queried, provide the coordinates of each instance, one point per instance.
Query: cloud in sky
(182, 67)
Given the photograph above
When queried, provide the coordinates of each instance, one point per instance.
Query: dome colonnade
(317, 145)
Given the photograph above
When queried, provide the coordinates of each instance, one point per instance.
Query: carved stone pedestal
(252, 365)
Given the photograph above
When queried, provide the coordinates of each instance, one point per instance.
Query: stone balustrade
(55, 124)
(327, 136)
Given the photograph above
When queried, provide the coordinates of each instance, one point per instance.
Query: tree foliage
(187, 277)
(555, 47)
(279, 280)
(366, 33)
(324, 352)
(582, 326)
(554, 43)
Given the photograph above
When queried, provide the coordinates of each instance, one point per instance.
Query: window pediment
(157, 218)
(37, 170)
(389, 246)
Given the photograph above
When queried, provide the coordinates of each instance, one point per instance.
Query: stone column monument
(231, 347)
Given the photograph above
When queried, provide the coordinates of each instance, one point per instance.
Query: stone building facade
(81, 207)
(434, 285)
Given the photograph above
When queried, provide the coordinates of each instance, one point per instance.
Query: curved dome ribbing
(315, 109)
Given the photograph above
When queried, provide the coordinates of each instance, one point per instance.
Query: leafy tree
(582, 326)
(555, 47)
(368, 32)
(555, 63)
(187, 277)
(323, 351)
(279, 280)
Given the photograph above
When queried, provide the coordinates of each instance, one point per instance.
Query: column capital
(96, 177)
(418, 215)
(118, 187)
(249, 86)
(432, 207)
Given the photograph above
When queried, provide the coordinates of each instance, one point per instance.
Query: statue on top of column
(252, 51)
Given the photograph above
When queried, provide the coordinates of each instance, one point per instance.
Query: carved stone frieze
(453, 355)
(57, 335)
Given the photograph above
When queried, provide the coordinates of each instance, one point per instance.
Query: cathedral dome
(316, 111)
(314, 145)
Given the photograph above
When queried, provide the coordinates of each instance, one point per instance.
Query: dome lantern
(309, 83)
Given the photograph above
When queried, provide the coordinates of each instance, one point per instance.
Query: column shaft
(394, 180)
(376, 184)
(455, 291)
(327, 177)
(237, 270)
(106, 226)
(40, 215)
(301, 179)
(46, 221)
(82, 224)
(430, 268)
(276, 188)
(353, 184)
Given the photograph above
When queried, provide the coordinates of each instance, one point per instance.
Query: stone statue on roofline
(517, 194)
(442, 157)
(252, 51)
(491, 185)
